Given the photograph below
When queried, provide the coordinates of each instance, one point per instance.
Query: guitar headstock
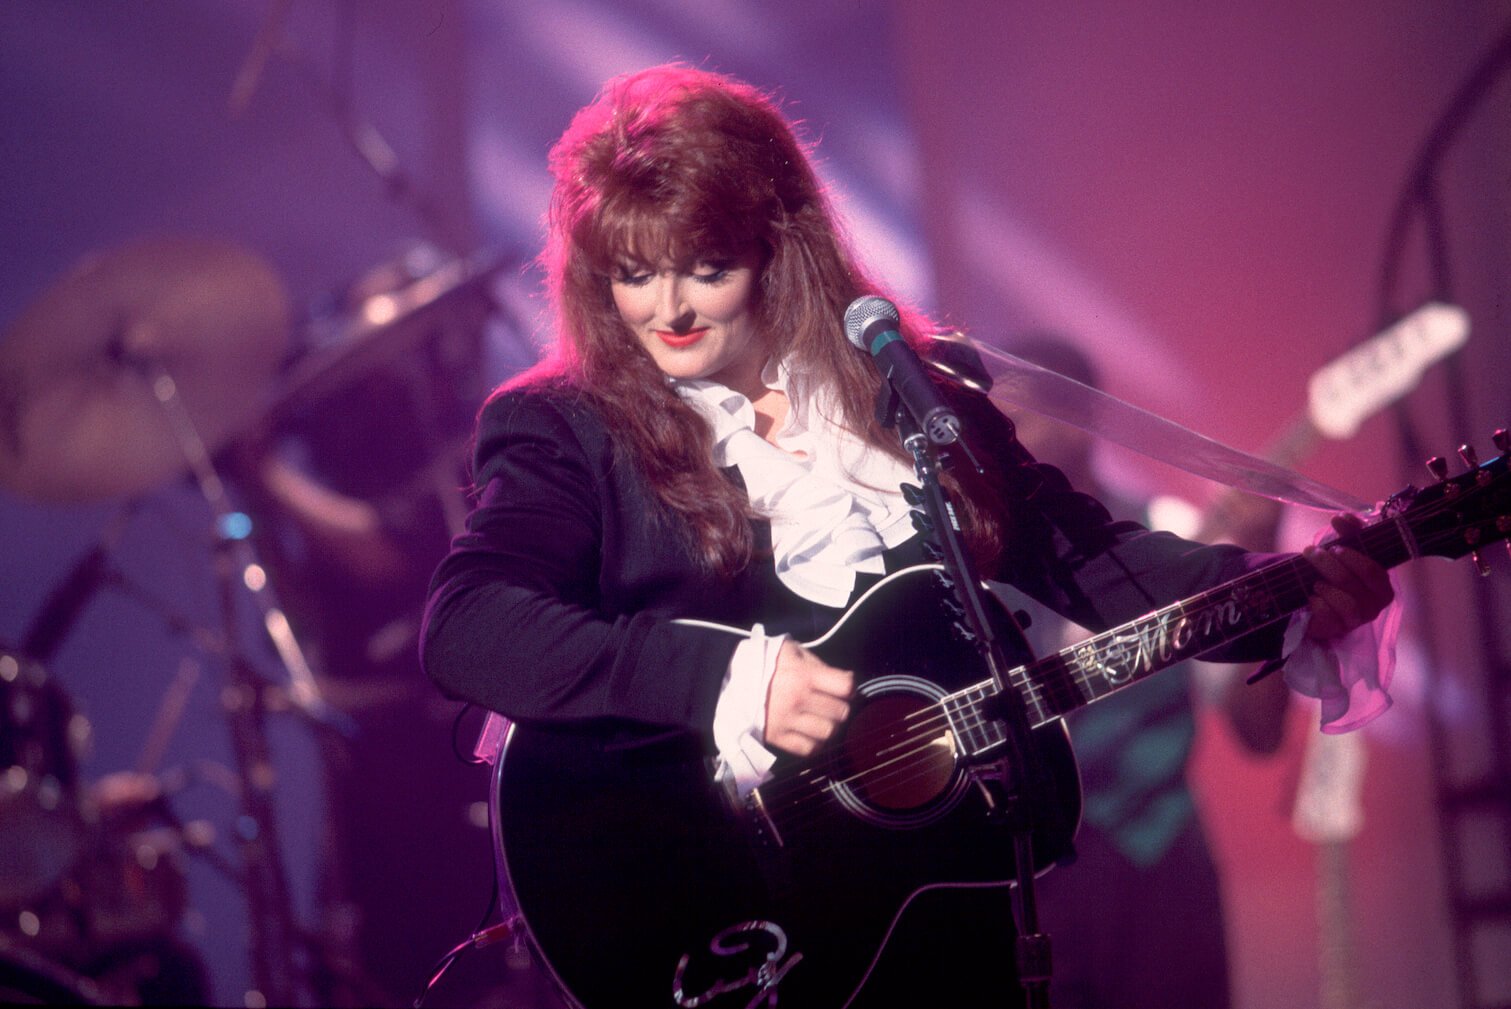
(1348, 390)
(1458, 515)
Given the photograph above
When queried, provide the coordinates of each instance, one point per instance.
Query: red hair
(680, 165)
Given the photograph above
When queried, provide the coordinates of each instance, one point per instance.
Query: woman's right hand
(807, 700)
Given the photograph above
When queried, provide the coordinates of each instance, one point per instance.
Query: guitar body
(644, 883)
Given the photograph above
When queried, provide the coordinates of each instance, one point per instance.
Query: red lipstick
(687, 339)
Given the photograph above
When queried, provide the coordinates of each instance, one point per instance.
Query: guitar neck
(1454, 517)
(1083, 673)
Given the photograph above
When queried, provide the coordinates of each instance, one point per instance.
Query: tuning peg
(1470, 456)
(1438, 467)
(1502, 439)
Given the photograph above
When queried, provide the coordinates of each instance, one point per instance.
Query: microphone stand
(1011, 782)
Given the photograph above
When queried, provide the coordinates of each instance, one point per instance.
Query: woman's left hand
(1352, 589)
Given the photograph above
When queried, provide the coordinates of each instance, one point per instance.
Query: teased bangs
(629, 228)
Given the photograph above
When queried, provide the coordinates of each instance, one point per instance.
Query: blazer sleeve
(515, 620)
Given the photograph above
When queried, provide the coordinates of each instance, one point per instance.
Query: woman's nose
(674, 309)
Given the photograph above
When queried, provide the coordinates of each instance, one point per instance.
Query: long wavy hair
(676, 164)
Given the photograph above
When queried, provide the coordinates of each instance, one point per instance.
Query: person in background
(1144, 881)
(350, 485)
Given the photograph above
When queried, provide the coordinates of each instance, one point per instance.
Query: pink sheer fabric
(1351, 676)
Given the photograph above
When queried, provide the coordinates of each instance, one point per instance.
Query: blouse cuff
(1350, 676)
(740, 715)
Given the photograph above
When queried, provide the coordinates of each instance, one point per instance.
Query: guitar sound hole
(898, 760)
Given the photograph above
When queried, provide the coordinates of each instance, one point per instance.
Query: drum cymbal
(390, 324)
(78, 418)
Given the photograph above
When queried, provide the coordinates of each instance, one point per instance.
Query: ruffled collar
(835, 504)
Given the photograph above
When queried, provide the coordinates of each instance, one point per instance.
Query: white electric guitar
(1329, 810)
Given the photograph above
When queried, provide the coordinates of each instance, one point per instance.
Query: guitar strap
(1013, 382)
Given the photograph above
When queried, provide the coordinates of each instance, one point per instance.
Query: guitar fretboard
(1085, 672)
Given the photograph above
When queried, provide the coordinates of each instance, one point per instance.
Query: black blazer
(556, 605)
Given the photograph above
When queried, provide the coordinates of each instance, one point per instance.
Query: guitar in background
(1328, 809)
(1329, 814)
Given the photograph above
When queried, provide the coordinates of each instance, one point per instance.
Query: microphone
(872, 324)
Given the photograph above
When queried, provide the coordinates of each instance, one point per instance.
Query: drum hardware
(274, 931)
(129, 371)
(63, 604)
(79, 422)
(26, 978)
(136, 368)
(106, 892)
(387, 316)
(42, 827)
(113, 918)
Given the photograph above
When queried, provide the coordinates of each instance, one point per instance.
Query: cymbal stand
(274, 934)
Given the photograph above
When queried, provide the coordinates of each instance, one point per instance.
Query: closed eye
(629, 279)
(713, 273)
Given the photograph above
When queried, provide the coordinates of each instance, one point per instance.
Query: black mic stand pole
(1012, 782)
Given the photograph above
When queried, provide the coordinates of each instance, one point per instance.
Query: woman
(701, 445)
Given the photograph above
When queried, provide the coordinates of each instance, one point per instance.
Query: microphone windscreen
(862, 312)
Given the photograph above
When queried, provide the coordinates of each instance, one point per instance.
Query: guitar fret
(974, 733)
(1062, 686)
(1076, 676)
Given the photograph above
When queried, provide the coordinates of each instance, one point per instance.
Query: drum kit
(144, 364)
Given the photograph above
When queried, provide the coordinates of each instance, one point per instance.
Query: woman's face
(698, 320)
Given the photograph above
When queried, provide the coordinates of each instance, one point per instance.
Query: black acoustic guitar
(645, 884)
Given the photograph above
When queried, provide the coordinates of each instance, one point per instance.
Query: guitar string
(938, 720)
(885, 773)
(1282, 576)
(813, 779)
(793, 803)
(897, 768)
(898, 772)
(1279, 579)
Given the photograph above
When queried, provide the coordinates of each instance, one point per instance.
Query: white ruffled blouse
(835, 506)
